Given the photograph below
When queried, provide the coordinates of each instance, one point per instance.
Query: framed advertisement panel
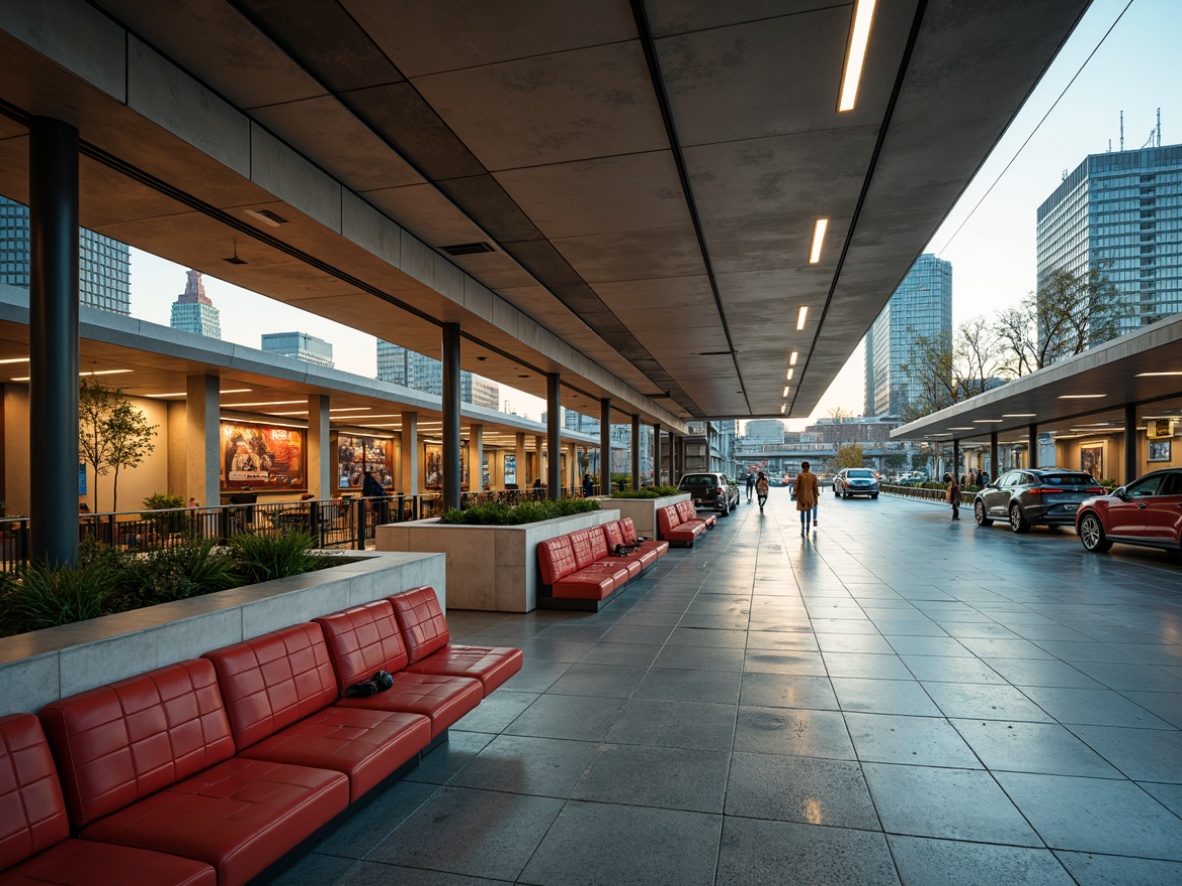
(433, 462)
(358, 453)
(261, 457)
(1091, 460)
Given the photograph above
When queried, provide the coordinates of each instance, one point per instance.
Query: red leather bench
(580, 570)
(673, 527)
(148, 762)
(35, 843)
(688, 511)
(430, 650)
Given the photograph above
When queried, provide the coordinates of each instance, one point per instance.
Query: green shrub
(173, 522)
(48, 596)
(649, 492)
(259, 558)
(177, 573)
(497, 514)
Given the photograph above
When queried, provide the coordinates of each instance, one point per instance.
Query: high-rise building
(621, 438)
(104, 265)
(194, 312)
(411, 369)
(1120, 213)
(299, 345)
(765, 430)
(920, 307)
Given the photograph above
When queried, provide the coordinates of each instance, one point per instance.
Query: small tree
(849, 455)
(112, 434)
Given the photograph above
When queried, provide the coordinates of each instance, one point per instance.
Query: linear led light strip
(856, 56)
(88, 373)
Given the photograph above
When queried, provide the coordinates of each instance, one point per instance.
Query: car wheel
(836, 493)
(726, 508)
(979, 514)
(1091, 534)
(1018, 521)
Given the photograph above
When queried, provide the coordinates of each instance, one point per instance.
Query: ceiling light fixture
(351, 409)
(818, 240)
(265, 403)
(785, 394)
(783, 408)
(266, 216)
(105, 372)
(855, 55)
(801, 316)
(1138, 375)
(986, 421)
(1081, 396)
(14, 360)
(792, 358)
(1019, 415)
(790, 372)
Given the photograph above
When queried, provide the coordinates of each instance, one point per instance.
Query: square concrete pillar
(476, 457)
(317, 455)
(409, 457)
(203, 457)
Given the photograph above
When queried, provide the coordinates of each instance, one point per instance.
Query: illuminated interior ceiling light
(267, 403)
(855, 57)
(297, 412)
(1081, 396)
(962, 429)
(801, 316)
(792, 358)
(790, 374)
(105, 372)
(785, 394)
(236, 390)
(14, 360)
(351, 409)
(1138, 375)
(783, 408)
(266, 216)
(986, 421)
(818, 240)
(1019, 415)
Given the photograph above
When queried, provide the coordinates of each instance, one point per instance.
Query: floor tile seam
(1113, 763)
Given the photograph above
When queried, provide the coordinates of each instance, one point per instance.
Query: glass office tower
(411, 369)
(299, 345)
(194, 312)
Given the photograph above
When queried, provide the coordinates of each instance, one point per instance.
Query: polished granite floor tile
(1090, 869)
(663, 778)
(884, 697)
(575, 717)
(1093, 707)
(832, 793)
(756, 852)
(519, 764)
(985, 702)
(1141, 754)
(788, 691)
(676, 684)
(926, 862)
(795, 732)
(918, 741)
(675, 724)
(1032, 747)
(604, 681)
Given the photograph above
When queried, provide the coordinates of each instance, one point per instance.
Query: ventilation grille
(467, 248)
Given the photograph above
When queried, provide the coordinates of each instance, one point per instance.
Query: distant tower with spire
(194, 312)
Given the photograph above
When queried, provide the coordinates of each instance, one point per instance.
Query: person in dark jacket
(953, 497)
(588, 486)
(750, 484)
(371, 488)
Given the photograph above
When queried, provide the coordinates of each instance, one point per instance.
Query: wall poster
(1091, 460)
(510, 471)
(260, 457)
(358, 453)
(433, 462)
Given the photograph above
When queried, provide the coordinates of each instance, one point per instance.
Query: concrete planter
(491, 568)
(43, 666)
(643, 511)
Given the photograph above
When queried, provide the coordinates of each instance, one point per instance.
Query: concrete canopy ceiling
(647, 174)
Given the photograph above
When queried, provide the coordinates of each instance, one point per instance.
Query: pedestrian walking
(588, 485)
(807, 494)
(953, 497)
(761, 486)
(750, 485)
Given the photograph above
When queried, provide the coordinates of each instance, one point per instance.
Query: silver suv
(711, 490)
(1034, 495)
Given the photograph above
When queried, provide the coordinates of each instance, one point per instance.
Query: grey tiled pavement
(896, 698)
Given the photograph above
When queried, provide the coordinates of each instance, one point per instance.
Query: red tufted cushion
(580, 542)
(119, 743)
(686, 510)
(556, 559)
(628, 530)
(491, 665)
(85, 863)
(421, 621)
(586, 584)
(612, 534)
(442, 698)
(362, 641)
(667, 519)
(274, 680)
(32, 811)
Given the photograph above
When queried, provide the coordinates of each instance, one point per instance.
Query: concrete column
(605, 446)
(53, 340)
(956, 472)
(554, 435)
(994, 473)
(536, 472)
(1131, 461)
(657, 481)
(451, 416)
(409, 459)
(522, 477)
(203, 455)
(572, 466)
(318, 452)
(636, 452)
(476, 457)
(1032, 445)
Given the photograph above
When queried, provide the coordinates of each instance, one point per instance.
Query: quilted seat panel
(442, 698)
(272, 681)
(582, 542)
(586, 584)
(32, 810)
(491, 665)
(127, 740)
(421, 622)
(556, 559)
(362, 641)
(238, 816)
(365, 745)
(85, 863)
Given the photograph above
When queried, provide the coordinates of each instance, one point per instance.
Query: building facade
(921, 307)
(104, 265)
(300, 346)
(194, 312)
(1120, 213)
(408, 368)
(621, 441)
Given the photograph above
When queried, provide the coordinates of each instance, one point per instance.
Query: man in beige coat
(807, 493)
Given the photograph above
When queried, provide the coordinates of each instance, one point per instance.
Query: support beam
(1032, 445)
(994, 472)
(605, 446)
(53, 340)
(317, 454)
(636, 452)
(956, 458)
(554, 435)
(657, 479)
(520, 476)
(203, 449)
(409, 456)
(451, 416)
(1131, 460)
(476, 457)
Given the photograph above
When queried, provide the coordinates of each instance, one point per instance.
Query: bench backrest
(421, 622)
(32, 810)
(667, 518)
(686, 511)
(270, 682)
(556, 559)
(362, 641)
(580, 542)
(613, 534)
(119, 743)
(628, 530)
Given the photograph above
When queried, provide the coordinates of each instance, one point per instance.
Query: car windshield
(1065, 479)
(699, 480)
(861, 474)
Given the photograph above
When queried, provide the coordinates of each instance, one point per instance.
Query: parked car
(1146, 512)
(1027, 496)
(911, 479)
(711, 490)
(855, 481)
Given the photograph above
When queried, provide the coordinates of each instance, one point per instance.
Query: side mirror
(1121, 493)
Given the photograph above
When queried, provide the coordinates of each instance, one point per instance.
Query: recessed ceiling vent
(468, 248)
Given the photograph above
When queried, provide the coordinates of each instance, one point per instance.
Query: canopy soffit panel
(646, 173)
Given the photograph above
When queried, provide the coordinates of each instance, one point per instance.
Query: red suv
(1146, 512)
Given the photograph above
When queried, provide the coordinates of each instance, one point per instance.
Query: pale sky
(993, 256)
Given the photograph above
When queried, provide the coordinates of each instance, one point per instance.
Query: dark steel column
(605, 446)
(451, 416)
(636, 452)
(657, 480)
(994, 473)
(956, 459)
(1130, 445)
(675, 466)
(53, 340)
(553, 435)
(1032, 445)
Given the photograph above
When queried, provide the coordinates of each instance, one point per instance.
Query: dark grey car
(1027, 496)
(711, 490)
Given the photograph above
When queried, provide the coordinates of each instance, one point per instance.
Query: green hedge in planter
(497, 514)
(650, 492)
